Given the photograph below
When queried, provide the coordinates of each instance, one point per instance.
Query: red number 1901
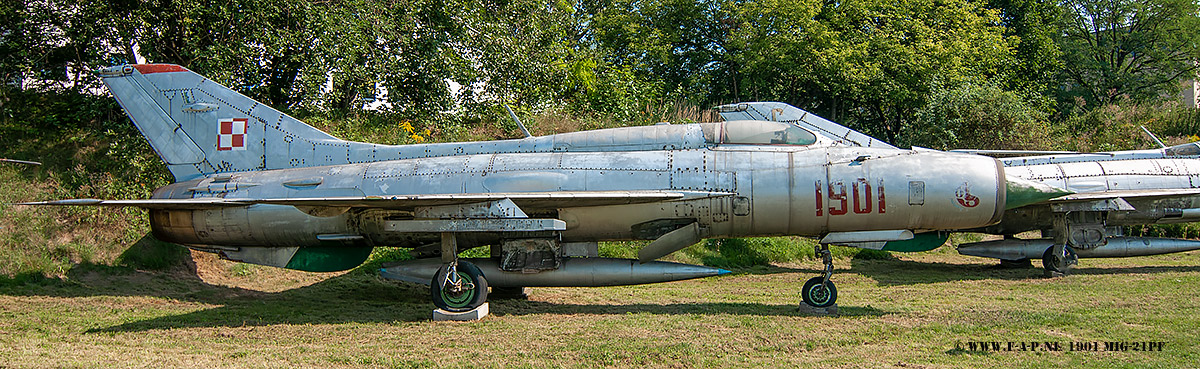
(860, 196)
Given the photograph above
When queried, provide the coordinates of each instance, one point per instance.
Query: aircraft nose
(1020, 192)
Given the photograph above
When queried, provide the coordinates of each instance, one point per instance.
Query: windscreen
(766, 133)
(1187, 149)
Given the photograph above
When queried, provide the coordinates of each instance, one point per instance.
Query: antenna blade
(515, 119)
(1161, 145)
(26, 162)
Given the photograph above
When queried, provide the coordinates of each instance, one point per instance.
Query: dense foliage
(880, 66)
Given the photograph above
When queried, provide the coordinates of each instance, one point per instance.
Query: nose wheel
(820, 291)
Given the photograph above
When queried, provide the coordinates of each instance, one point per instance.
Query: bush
(1185, 230)
(1116, 126)
(980, 116)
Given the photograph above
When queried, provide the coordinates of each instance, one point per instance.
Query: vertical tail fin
(199, 127)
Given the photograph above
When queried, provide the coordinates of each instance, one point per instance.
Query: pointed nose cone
(1021, 192)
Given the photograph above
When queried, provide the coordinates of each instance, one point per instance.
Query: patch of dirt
(216, 271)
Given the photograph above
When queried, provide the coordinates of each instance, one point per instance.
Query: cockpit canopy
(757, 132)
(670, 137)
(1187, 149)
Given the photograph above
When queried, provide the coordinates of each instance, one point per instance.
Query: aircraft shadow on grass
(363, 298)
(359, 296)
(906, 272)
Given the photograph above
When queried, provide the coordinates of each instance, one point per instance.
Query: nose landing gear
(819, 291)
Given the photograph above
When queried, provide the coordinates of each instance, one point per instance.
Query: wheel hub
(819, 293)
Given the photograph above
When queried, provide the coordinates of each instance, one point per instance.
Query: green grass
(912, 310)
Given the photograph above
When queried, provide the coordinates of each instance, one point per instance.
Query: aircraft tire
(466, 300)
(1057, 265)
(817, 294)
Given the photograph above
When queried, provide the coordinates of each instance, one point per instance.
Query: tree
(1128, 48)
(680, 43)
(533, 53)
(52, 44)
(1032, 28)
(405, 47)
(258, 47)
(869, 64)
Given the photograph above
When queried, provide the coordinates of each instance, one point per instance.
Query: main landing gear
(1058, 260)
(820, 291)
(458, 286)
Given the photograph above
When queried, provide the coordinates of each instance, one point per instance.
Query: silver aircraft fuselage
(1112, 190)
(771, 190)
(1134, 175)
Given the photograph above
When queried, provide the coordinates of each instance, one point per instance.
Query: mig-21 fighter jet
(258, 186)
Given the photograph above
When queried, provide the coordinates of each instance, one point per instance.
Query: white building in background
(1191, 90)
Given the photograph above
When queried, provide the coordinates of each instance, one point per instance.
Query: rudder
(199, 127)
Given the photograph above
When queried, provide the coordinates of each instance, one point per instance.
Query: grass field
(912, 311)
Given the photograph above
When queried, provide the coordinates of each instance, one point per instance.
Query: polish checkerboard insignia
(231, 134)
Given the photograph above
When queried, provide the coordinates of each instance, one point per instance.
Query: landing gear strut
(1058, 260)
(820, 291)
(458, 286)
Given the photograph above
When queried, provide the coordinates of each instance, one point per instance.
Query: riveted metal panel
(647, 161)
(1084, 176)
(515, 162)
(696, 170)
(1050, 174)
(173, 145)
(1139, 174)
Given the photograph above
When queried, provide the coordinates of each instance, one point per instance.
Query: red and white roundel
(231, 134)
(965, 198)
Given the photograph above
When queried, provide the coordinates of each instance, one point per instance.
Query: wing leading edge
(534, 200)
(1127, 194)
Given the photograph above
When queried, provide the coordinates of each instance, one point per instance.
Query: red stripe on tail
(158, 68)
